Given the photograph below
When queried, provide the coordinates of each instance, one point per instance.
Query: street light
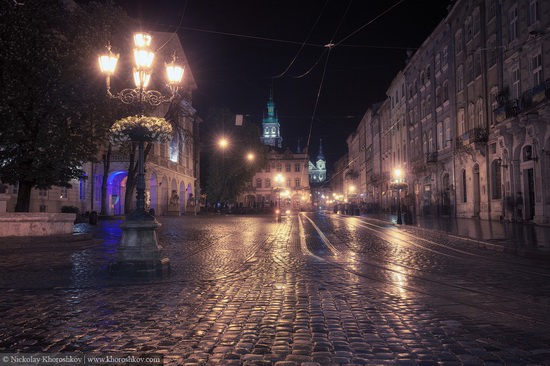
(398, 184)
(279, 180)
(139, 250)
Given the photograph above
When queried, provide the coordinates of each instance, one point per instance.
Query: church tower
(318, 171)
(271, 130)
(321, 163)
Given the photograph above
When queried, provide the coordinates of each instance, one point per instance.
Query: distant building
(286, 179)
(271, 130)
(318, 171)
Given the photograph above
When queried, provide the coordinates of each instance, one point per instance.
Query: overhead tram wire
(304, 44)
(329, 46)
(175, 31)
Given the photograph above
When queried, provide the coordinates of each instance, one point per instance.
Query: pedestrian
(519, 206)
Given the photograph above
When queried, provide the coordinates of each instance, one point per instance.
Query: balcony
(535, 95)
(529, 99)
(431, 157)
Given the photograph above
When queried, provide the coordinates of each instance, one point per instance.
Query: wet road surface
(244, 290)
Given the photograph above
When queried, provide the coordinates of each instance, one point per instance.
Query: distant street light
(139, 250)
(398, 184)
(279, 180)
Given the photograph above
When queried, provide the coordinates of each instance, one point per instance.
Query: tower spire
(320, 155)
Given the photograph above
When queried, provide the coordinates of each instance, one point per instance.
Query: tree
(228, 170)
(52, 119)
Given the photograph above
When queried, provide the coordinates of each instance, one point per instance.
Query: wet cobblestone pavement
(313, 290)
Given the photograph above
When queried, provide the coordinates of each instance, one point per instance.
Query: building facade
(467, 119)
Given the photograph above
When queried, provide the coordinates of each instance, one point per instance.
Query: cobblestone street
(314, 289)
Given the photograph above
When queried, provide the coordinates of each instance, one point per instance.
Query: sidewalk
(527, 240)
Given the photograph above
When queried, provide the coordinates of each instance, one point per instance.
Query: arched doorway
(182, 197)
(153, 198)
(116, 189)
(165, 196)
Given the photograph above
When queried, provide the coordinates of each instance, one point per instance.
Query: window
(479, 109)
(534, 12)
(515, 81)
(460, 121)
(536, 69)
(438, 96)
(445, 90)
(468, 29)
(471, 114)
(464, 187)
(43, 193)
(460, 78)
(445, 55)
(279, 167)
(431, 141)
(458, 41)
(470, 68)
(288, 182)
(423, 109)
(492, 45)
(476, 22)
(296, 167)
(258, 182)
(267, 183)
(268, 169)
(63, 192)
(477, 63)
(439, 136)
(513, 24)
(437, 62)
(447, 127)
(287, 167)
(297, 182)
(82, 190)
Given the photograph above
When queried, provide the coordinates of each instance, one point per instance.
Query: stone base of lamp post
(140, 253)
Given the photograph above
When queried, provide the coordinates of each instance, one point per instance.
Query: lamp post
(398, 184)
(139, 250)
(279, 179)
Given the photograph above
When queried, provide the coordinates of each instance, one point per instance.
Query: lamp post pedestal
(139, 253)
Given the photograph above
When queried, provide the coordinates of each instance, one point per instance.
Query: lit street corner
(245, 290)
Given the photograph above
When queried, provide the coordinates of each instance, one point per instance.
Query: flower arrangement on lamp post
(142, 128)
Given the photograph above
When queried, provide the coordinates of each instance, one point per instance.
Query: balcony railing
(475, 135)
(529, 99)
(431, 157)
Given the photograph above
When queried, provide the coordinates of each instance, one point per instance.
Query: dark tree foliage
(229, 170)
(53, 113)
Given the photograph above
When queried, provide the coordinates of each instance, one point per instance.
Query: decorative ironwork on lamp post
(398, 184)
(139, 250)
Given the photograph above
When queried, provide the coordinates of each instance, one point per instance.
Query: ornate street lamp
(139, 250)
(398, 184)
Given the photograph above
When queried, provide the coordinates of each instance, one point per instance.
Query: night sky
(238, 49)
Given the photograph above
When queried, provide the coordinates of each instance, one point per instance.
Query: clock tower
(271, 130)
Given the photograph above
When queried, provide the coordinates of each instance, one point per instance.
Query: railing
(530, 98)
(431, 157)
(472, 136)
